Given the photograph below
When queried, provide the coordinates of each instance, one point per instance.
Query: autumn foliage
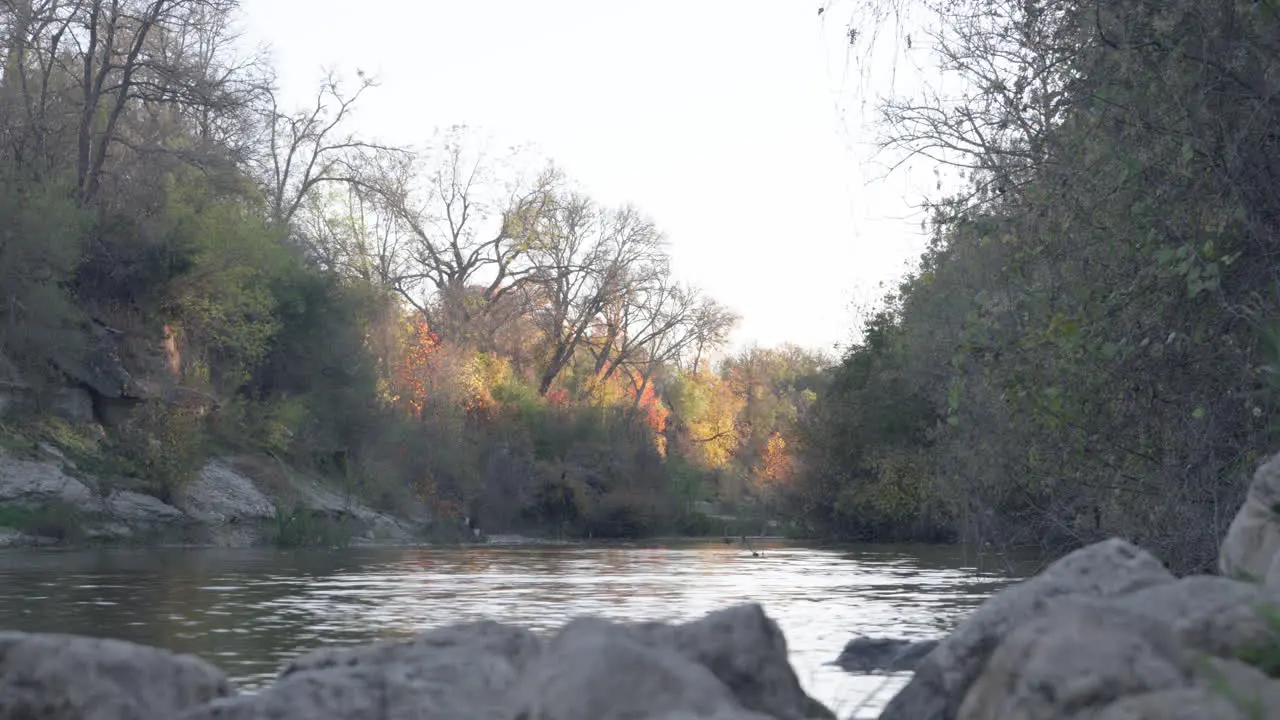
(415, 366)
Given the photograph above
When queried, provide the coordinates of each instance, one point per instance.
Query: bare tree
(582, 265)
(312, 147)
(351, 235)
(92, 75)
(655, 320)
(468, 234)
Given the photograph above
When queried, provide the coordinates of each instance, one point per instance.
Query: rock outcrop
(1107, 633)
(730, 665)
(100, 513)
(221, 505)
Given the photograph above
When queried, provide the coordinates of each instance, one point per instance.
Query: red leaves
(411, 374)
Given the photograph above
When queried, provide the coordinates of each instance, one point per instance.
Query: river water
(248, 611)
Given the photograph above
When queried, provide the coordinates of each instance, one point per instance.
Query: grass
(55, 520)
(302, 527)
(1265, 653)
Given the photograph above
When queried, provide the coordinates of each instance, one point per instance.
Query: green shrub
(303, 527)
(696, 524)
(622, 515)
(162, 445)
(55, 520)
(1264, 653)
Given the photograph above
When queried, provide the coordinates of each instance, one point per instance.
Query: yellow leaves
(709, 408)
(775, 466)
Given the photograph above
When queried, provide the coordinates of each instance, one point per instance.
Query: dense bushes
(229, 276)
(1085, 348)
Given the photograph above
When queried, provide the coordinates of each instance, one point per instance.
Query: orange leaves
(557, 397)
(410, 381)
(428, 492)
(649, 409)
(775, 464)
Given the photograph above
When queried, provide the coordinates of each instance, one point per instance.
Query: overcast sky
(734, 124)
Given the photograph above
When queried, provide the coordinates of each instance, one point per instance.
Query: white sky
(735, 124)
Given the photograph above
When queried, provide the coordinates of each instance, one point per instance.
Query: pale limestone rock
(220, 494)
(598, 671)
(1253, 538)
(463, 671)
(64, 677)
(1074, 660)
(1104, 570)
(1215, 615)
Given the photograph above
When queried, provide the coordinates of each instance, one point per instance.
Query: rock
(1272, 582)
(1103, 570)
(1073, 660)
(63, 677)
(511, 648)
(1185, 703)
(12, 396)
(73, 404)
(596, 670)
(867, 655)
(723, 666)
(1223, 690)
(219, 494)
(34, 483)
(1215, 615)
(318, 498)
(463, 671)
(12, 537)
(1253, 538)
(42, 483)
(356, 694)
(138, 509)
(745, 649)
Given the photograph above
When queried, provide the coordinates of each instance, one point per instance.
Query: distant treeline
(439, 330)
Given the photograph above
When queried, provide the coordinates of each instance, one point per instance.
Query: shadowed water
(250, 610)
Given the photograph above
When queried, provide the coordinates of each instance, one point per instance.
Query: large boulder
(463, 671)
(1092, 661)
(599, 671)
(1074, 660)
(32, 483)
(1104, 570)
(730, 664)
(1253, 538)
(140, 509)
(64, 677)
(45, 483)
(220, 494)
(1209, 614)
(742, 647)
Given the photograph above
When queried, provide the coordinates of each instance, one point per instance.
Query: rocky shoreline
(223, 505)
(1108, 633)
(1105, 633)
(731, 664)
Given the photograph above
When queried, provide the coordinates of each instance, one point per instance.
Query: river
(248, 611)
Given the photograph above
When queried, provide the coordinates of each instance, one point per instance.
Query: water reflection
(250, 610)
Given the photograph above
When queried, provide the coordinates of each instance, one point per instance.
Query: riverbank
(730, 664)
(48, 498)
(1108, 633)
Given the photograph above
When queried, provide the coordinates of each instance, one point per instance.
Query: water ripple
(249, 611)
